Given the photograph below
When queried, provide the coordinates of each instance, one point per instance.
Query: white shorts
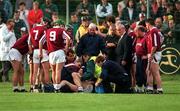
(57, 57)
(36, 58)
(157, 57)
(14, 54)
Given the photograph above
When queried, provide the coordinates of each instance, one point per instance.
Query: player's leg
(77, 80)
(45, 66)
(16, 67)
(21, 78)
(53, 68)
(157, 77)
(72, 87)
(31, 75)
(59, 67)
(149, 79)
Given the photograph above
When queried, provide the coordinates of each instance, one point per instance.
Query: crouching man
(113, 72)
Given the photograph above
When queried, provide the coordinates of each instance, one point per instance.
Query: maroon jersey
(133, 36)
(36, 34)
(22, 44)
(153, 39)
(55, 38)
(141, 47)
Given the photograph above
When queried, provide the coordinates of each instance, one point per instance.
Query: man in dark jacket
(124, 48)
(115, 73)
(90, 43)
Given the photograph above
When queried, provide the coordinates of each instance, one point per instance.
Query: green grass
(170, 101)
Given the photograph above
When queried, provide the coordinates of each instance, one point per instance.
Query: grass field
(169, 101)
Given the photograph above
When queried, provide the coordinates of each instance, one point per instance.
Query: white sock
(80, 88)
(15, 87)
(59, 86)
(149, 88)
(159, 89)
(55, 86)
(21, 87)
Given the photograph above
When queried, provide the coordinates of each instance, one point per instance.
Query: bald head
(92, 28)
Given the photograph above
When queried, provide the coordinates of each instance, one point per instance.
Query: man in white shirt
(104, 9)
(7, 40)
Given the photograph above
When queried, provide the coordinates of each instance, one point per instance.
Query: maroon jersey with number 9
(55, 39)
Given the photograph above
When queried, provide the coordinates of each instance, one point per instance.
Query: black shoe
(159, 92)
(148, 91)
(31, 89)
(23, 90)
(57, 91)
(16, 90)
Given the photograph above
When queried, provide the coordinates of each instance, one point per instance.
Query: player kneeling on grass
(57, 43)
(113, 72)
(16, 54)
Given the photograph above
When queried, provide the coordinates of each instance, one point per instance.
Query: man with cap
(83, 28)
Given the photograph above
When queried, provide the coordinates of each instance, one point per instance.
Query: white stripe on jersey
(155, 39)
(29, 40)
(43, 39)
(66, 35)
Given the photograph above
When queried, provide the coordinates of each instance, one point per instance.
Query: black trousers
(6, 66)
(127, 68)
(141, 72)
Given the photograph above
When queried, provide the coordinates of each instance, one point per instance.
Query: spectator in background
(75, 25)
(130, 13)
(7, 39)
(177, 13)
(83, 28)
(8, 8)
(170, 35)
(48, 8)
(120, 7)
(19, 23)
(140, 3)
(154, 6)
(177, 20)
(24, 13)
(124, 48)
(162, 8)
(104, 9)
(29, 4)
(54, 17)
(85, 8)
(91, 43)
(35, 15)
(159, 24)
(2, 11)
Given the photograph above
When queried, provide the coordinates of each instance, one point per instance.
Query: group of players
(48, 49)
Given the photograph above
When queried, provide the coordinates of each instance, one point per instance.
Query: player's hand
(111, 45)
(40, 55)
(80, 71)
(97, 84)
(123, 62)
